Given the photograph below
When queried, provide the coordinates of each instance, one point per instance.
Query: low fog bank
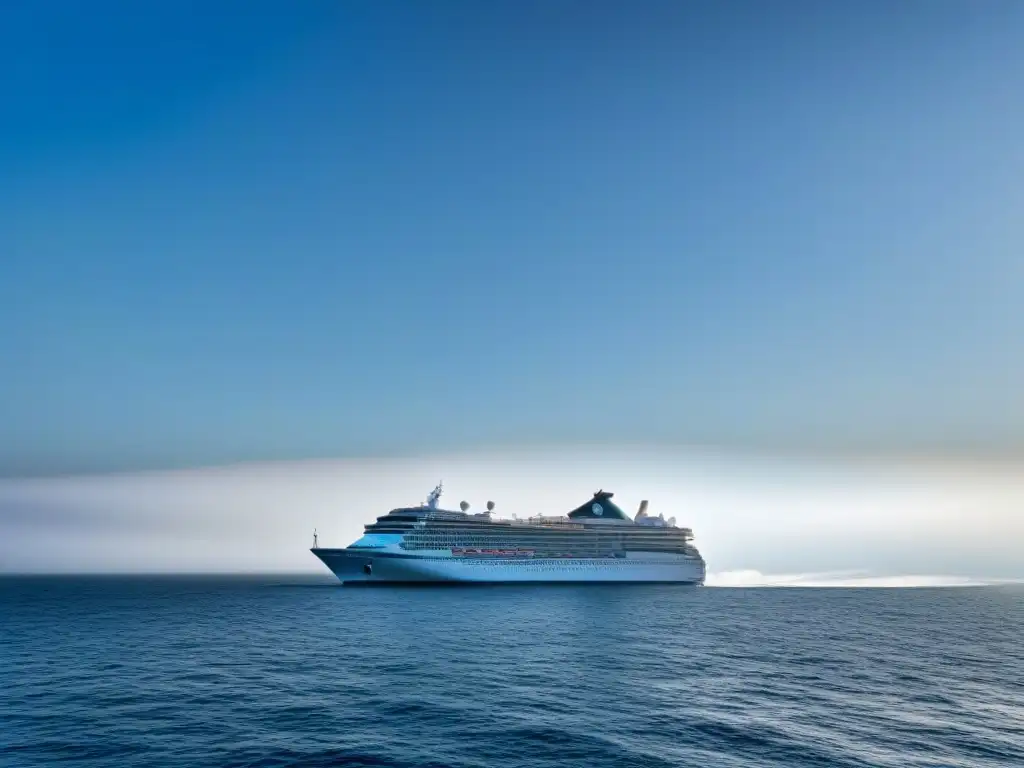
(758, 521)
(848, 579)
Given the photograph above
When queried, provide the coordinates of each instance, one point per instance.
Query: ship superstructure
(597, 541)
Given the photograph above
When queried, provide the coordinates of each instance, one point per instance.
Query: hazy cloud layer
(757, 520)
(844, 579)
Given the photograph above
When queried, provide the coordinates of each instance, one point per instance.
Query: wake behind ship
(596, 542)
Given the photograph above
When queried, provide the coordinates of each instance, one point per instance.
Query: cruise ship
(596, 542)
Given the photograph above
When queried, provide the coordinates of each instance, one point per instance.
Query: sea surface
(274, 671)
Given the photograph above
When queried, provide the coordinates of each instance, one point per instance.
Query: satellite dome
(464, 506)
(490, 506)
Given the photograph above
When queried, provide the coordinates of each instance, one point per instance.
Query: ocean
(296, 671)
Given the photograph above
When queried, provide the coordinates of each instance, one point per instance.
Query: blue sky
(234, 231)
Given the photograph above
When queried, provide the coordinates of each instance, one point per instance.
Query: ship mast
(434, 496)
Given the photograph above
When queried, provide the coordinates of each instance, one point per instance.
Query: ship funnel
(642, 512)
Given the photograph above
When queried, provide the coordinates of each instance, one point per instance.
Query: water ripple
(267, 672)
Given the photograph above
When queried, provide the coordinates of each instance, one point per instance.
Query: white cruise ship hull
(359, 566)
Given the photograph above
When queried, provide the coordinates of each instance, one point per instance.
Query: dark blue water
(272, 672)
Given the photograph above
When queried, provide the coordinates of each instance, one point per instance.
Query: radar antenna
(435, 495)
